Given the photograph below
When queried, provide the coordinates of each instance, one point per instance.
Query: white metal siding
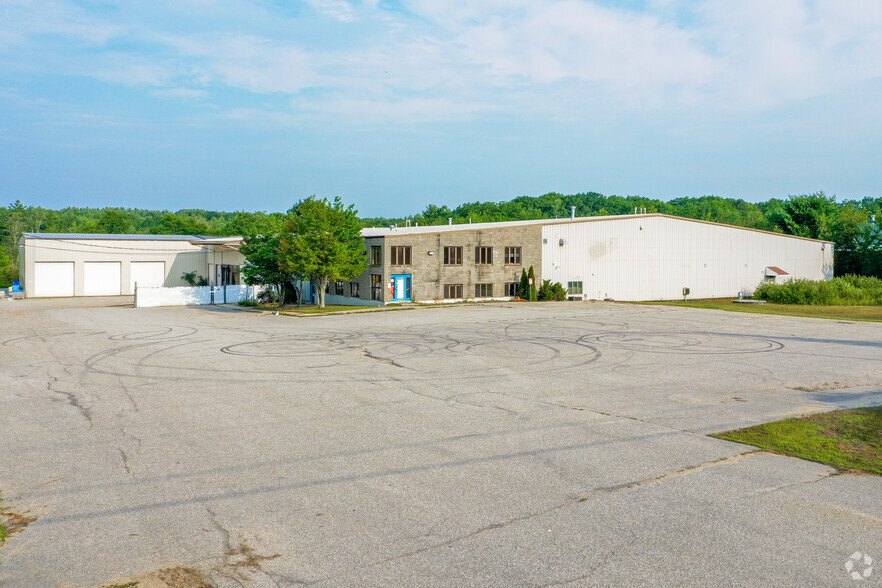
(146, 274)
(178, 258)
(102, 278)
(655, 257)
(53, 279)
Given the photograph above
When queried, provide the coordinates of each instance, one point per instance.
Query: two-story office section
(449, 262)
(626, 257)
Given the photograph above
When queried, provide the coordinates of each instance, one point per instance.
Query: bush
(193, 280)
(549, 291)
(845, 291)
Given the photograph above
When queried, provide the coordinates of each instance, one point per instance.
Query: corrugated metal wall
(654, 257)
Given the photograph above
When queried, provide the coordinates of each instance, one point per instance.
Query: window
(338, 290)
(483, 290)
(376, 287)
(483, 255)
(511, 288)
(401, 255)
(328, 287)
(453, 256)
(376, 255)
(513, 255)
(574, 287)
(453, 290)
(353, 289)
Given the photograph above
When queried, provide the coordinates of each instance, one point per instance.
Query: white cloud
(336, 9)
(458, 57)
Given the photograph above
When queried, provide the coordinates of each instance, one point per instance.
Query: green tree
(549, 291)
(531, 292)
(524, 286)
(263, 264)
(322, 242)
(8, 270)
(113, 221)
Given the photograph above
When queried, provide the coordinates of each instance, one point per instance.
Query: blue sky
(396, 104)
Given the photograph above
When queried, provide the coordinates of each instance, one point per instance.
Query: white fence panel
(184, 296)
(235, 294)
(147, 296)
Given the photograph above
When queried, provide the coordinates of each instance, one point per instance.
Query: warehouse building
(627, 257)
(65, 264)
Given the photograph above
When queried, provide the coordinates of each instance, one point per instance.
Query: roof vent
(450, 220)
(572, 212)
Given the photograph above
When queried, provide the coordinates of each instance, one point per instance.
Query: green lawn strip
(852, 313)
(849, 439)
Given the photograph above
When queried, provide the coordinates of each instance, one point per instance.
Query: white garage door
(54, 278)
(147, 274)
(101, 278)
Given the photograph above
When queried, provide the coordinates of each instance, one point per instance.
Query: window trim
(404, 251)
(376, 287)
(484, 290)
(513, 252)
(457, 249)
(481, 258)
(456, 288)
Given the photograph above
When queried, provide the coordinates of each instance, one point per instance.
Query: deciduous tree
(322, 242)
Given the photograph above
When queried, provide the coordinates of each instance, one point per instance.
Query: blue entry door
(401, 284)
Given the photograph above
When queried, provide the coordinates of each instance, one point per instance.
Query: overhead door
(147, 274)
(101, 278)
(53, 278)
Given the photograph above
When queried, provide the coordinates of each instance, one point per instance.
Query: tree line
(846, 223)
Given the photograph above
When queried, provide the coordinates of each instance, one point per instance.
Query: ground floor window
(353, 289)
(339, 288)
(574, 287)
(483, 290)
(452, 290)
(511, 289)
(376, 287)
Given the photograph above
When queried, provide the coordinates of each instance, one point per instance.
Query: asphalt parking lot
(494, 444)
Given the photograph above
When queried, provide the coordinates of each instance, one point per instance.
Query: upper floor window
(453, 256)
(484, 255)
(376, 255)
(400, 255)
(513, 255)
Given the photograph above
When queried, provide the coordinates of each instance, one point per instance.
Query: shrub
(193, 280)
(531, 288)
(549, 291)
(846, 290)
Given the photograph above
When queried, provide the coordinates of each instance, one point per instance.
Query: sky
(396, 104)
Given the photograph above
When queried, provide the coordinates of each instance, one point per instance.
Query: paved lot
(505, 444)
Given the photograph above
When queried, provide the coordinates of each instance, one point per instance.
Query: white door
(102, 278)
(53, 278)
(147, 274)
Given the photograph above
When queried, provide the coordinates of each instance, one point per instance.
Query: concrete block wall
(429, 274)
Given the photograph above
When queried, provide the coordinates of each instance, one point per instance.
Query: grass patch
(852, 313)
(848, 439)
